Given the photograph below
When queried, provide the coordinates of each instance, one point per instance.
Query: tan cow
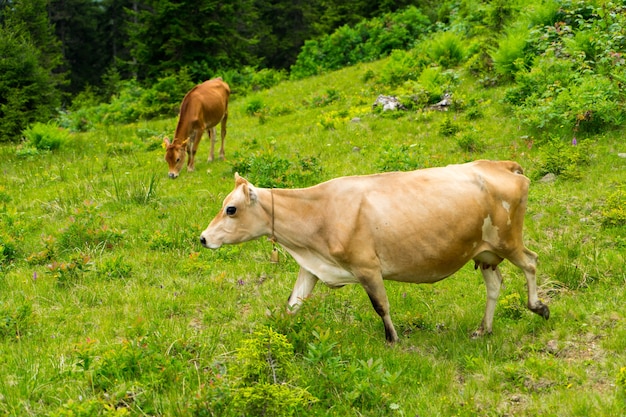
(420, 226)
(203, 107)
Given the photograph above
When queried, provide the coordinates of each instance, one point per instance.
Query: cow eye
(177, 159)
(230, 210)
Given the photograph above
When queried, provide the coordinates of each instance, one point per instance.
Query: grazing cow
(203, 107)
(420, 226)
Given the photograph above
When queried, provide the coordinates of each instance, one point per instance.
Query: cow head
(241, 218)
(175, 156)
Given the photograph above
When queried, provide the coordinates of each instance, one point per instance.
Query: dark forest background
(53, 50)
(82, 42)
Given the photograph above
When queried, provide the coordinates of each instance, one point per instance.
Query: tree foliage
(30, 76)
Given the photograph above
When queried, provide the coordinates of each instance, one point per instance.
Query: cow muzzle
(172, 175)
(207, 244)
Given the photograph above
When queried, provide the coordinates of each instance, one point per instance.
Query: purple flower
(35, 276)
(574, 141)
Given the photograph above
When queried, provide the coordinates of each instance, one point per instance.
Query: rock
(388, 103)
(548, 178)
(621, 155)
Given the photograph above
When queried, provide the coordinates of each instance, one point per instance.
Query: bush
(614, 210)
(510, 56)
(562, 159)
(45, 136)
(366, 41)
(446, 49)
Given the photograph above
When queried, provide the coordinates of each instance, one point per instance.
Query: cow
(419, 226)
(204, 107)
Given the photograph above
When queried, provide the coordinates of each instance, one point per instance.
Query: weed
(511, 306)
(469, 142)
(399, 158)
(14, 320)
(87, 230)
(70, 272)
(8, 249)
(113, 268)
(330, 96)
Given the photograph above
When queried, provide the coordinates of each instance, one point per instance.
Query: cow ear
(252, 197)
(166, 141)
(239, 179)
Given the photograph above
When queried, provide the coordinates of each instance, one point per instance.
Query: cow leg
(302, 289)
(212, 133)
(527, 262)
(223, 134)
(378, 296)
(192, 147)
(493, 282)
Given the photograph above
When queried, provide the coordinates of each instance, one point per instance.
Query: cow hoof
(542, 310)
(479, 333)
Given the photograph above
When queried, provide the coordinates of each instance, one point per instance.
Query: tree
(30, 58)
(206, 36)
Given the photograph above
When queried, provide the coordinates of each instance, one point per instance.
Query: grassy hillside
(109, 305)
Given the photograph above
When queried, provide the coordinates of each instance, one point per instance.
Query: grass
(109, 306)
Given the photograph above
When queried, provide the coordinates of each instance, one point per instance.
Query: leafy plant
(45, 136)
(447, 49)
(265, 377)
(400, 157)
(69, 272)
(614, 209)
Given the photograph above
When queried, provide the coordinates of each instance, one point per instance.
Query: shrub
(45, 136)
(510, 55)
(402, 66)
(446, 49)
(366, 41)
(469, 142)
(614, 210)
(266, 377)
(563, 160)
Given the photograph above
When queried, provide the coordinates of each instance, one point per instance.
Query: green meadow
(109, 306)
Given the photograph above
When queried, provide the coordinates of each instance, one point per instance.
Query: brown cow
(420, 226)
(203, 107)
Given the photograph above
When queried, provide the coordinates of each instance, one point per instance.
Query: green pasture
(109, 306)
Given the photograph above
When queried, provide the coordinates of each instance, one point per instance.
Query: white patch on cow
(330, 274)
(507, 207)
(490, 232)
